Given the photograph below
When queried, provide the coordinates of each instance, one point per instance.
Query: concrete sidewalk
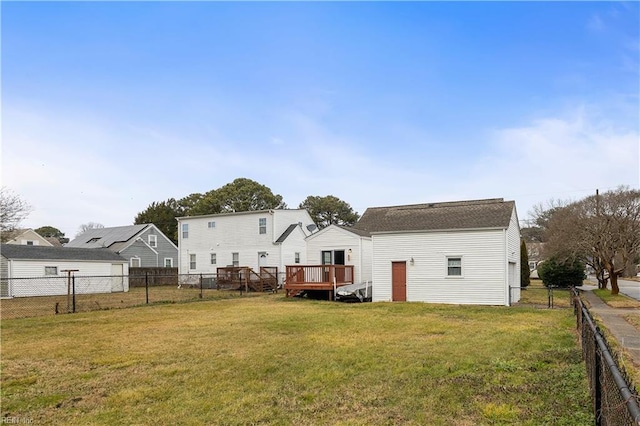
(612, 318)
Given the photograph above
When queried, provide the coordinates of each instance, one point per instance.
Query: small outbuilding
(42, 271)
(464, 252)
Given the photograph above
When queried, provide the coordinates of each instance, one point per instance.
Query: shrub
(525, 273)
(561, 273)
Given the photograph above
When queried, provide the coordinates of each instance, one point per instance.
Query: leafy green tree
(163, 215)
(52, 232)
(558, 272)
(329, 210)
(525, 273)
(243, 195)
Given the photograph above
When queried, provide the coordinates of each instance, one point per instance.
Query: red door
(399, 281)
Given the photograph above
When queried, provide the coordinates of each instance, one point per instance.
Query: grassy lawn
(272, 360)
(537, 294)
(618, 300)
(634, 320)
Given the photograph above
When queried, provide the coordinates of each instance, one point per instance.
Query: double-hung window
(211, 225)
(454, 266)
(153, 240)
(262, 225)
(51, 270)
(192, 261)
(235, 259)
(185, 230)
(213, 258)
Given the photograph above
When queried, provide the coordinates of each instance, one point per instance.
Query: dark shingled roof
(359, 232)
(286, 233)
(476, 214)
(11, 251)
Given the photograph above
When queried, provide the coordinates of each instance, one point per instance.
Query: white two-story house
(269, 238)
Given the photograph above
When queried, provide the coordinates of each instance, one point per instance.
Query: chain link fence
(614, 399)
(40, 296)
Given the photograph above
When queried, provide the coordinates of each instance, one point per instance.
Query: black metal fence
(613, 395)
(540, 296)
(40, 296)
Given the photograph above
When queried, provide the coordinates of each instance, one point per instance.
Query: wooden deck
(316, 277)
(245, 278)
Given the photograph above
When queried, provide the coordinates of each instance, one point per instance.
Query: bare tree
(602, 230)
(86, 226)
(13, 210)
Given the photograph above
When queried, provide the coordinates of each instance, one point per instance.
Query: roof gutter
(433, 231)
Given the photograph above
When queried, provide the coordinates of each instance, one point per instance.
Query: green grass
(271, 360)
(536, 294)
(618, 300)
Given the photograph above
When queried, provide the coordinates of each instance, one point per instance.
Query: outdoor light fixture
(411, 261)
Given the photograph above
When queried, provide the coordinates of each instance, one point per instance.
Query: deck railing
(319, 274)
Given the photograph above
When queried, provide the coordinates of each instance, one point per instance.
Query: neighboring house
(342, 245)
(269, 238)
(534, 254)
(465, 252)
(29, 237)
(41, 271)
(142, 245)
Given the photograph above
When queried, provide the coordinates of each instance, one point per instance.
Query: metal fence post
(146, 286)
(200, 286)
(73, 285)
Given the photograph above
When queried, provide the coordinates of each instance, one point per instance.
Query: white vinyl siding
(237, 233)
(57, 285)
(484, 266)
(335, 238)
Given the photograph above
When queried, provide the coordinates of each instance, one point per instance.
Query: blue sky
(107, 107)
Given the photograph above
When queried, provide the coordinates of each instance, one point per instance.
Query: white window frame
(211, 224)
(153, 240)
(134, 258)
(170, 259)
(192, 261)
(296, 257)
(30, 243)
(49, 273)
(235, 259)
(185, 230)
(447, 271)
(262, 225)
(213, 259)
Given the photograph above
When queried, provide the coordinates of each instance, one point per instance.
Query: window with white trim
(211, 224)
(296, 257)
(192, 261)
(168, 262)
(153, 240)
(213, 258)
(30, 243)
(235, 259)
(454, 266)
(185, 230)
(134, 262)
(262, 225)
(51, 270)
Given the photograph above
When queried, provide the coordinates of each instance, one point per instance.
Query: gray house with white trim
(142, 245)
